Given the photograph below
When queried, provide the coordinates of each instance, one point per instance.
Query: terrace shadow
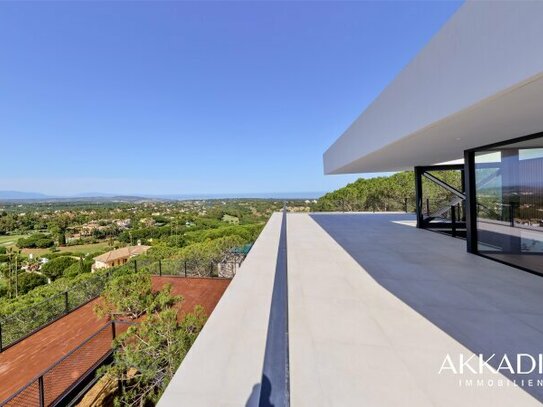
(484, 305)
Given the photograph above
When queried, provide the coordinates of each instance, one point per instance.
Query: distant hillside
(386, 193)
(18, 195)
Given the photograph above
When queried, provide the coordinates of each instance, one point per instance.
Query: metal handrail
(66, 307)
(444, 185)
(39, 378)
(346, 205)
(40, 303)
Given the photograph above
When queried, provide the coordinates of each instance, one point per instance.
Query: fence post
(211, 269)
(185, 268)
(135, 266)
(405, 204)
(453, 220)
(427, 207)
(160, 268)
(41, 391)
(66, 303)
(113, 330)
(1, 347)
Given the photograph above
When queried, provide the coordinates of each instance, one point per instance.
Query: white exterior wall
(99, 265)
(483, 64)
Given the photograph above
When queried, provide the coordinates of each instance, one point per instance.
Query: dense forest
(386, 193)
(48, 248)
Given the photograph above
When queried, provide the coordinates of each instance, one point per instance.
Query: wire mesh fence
(86, 291)
(26, 397)
(57, 381)
(20, 324)
(225, 267)
(63, 375)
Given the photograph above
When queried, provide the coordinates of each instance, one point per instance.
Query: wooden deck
(195, 291)
(24, 361)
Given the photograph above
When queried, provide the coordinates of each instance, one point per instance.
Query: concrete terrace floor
(375, 305)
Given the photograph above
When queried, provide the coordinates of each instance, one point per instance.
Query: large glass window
(509, 199)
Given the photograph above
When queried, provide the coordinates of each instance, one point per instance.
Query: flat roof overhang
(479, 81)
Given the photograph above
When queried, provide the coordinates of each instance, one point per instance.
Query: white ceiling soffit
(478, 81)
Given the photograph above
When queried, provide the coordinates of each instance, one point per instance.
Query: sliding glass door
(509, 203)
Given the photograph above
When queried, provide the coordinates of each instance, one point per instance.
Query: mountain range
(99, 196)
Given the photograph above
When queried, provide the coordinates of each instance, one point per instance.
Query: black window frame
(471, 198)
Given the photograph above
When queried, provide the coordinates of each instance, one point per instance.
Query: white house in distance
(118, 257)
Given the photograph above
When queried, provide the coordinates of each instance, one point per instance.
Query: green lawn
(10, 240)
(230, 219)
(81, 248)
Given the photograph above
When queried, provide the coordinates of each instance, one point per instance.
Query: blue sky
(192, 97)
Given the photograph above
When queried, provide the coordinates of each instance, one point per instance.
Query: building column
(471, 201)
(418, 196)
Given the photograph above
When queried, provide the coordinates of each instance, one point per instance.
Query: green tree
(131, 295)
(149, 353)
(56, 267)
(80, 266)
(58, 227)
(29, 281)
(201, 256)
(247, 233)
(387, 193)
(37, 240)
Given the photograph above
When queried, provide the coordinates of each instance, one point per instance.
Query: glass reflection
(509, 196)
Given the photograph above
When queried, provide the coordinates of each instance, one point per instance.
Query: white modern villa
(363, 309)
(474, 93)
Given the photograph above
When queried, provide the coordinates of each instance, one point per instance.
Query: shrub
(3, 288)
(56, 267)
(81, 266)
(29, 281)
(37, 240)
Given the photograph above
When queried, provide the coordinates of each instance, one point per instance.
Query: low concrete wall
(224, 366)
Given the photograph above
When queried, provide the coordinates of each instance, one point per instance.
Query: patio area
(375, 306)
